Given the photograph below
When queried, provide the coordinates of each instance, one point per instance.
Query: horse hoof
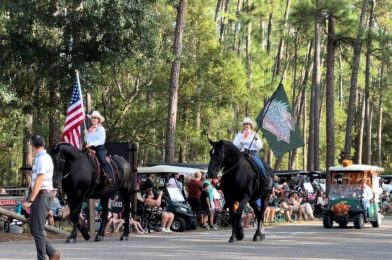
(126, 238)
(70, 241)
(99, 238)
(232, 240)
(86, 236)
(258, 237)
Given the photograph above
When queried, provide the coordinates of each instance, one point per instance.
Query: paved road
(294, 241)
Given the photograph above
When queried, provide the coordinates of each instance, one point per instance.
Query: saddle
(267, 180)
(101, 175)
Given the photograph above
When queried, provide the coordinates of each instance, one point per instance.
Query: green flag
(277, 122)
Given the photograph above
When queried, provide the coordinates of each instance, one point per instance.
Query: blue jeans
(100, 152)
(259, 163)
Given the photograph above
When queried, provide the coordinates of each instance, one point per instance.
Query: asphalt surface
(307, 240)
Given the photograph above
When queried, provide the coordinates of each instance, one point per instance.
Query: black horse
(240, 183)
(76, 173)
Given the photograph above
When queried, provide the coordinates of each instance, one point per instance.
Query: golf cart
(173, 198)
(346, 196)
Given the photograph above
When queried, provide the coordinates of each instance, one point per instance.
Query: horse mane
(233, 150)
(69, 150)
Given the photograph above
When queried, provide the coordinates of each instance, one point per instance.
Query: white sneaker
(168, 230)
(165, 230)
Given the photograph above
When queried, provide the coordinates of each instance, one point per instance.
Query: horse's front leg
(259, 212)
(238, 231)
(74, 211)
(104, 217)
(126, 201)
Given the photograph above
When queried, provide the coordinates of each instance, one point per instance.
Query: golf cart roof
(168, 169)
(356, 167)
(290, 173)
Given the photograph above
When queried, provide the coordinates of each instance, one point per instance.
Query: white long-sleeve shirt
(243, 140)
(96, 137)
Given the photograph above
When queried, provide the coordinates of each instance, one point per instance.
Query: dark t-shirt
(194, 188)
(203, 199)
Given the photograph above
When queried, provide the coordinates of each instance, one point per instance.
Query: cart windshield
(175, 195)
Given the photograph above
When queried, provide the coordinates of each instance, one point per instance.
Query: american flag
(75, 117)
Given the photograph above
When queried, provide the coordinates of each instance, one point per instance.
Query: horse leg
(104, 218)
(238, 214)
(75, 211)
(126, 201)
(259, 212)
(234, 221)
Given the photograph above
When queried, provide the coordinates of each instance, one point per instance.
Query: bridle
(223, 156)
(70, 171)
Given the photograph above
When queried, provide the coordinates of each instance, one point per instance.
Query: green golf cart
(346, 195)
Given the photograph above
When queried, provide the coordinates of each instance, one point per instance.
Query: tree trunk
(237, 23)
(269, 33)
(340, 77)
(380, 112)
(222, 25)
(299, 106)
(367, 148)
(174, 83)
(248, 57)
(281, 43)
(217, 9)
(354, 81)
(27, 151)
(54, 116)
(330, 93)
(360, 133)
(314, 126)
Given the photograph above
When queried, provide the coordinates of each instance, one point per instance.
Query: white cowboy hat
(98, 115)
(247, 120)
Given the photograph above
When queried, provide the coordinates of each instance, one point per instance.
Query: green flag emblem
(277, 122)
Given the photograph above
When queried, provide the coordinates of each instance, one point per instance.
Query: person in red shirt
(195, 188)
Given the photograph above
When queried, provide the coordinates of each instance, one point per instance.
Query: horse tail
(124, 170)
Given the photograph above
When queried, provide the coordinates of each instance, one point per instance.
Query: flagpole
(81, 96)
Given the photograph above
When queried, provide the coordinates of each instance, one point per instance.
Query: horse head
(217, 154)
(61, 153)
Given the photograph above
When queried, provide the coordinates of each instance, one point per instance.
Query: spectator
(295, 202)
(205, 205)
(149, 183)
(174, 181)
(114, 223)
(285, 206)
(306, 207)
(212, 203)
(137, 227)
(269, 213)
(152, 206)
(194, 190)
(367, 193)
(56, 210)
(247, 216)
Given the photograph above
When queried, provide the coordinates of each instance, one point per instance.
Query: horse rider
(41, 198)
(248, 141)
(95, 139)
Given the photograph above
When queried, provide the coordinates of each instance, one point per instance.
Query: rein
(235, 165)
(70, 171)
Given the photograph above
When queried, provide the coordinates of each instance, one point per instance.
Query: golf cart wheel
(359, 221)
(377, 223)
(342, 224)
(327, 221)
(178, 225)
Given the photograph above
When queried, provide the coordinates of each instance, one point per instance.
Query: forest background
(167, 73)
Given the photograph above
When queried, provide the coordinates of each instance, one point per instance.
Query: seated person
(152, 207)
(367, 194)
(56, 210)
(285, 206)
(247, 216)
(306, 207)
(174, 181)
(295, 202)
(269, 213)
(135, 224)
(114, 223)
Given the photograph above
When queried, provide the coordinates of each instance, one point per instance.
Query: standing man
(41, 197)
